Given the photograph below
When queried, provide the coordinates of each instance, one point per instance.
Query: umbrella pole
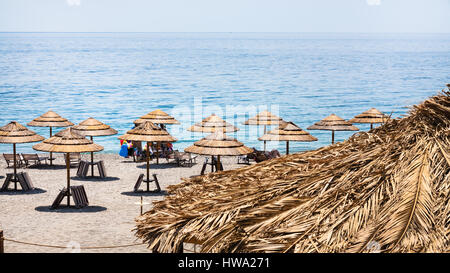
(51, 154)
(218, 163)
(265, 129)
(287, 147)
(15, 167)
(157, 153)
(371, 126)
(212, 163)
(332, 136)
(92, 159)
(68, 178)
(148, 164)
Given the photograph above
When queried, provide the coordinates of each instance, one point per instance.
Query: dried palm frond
(385, 190)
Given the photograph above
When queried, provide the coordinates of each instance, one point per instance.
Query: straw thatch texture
(218, 143)
(157, 117)
(288, 131)
(333, 123)
(370, 116)
(149, 132)
(14, 132)
(50, 119)
(389, 187)
(93, 127)
(264, 118)
(67, 141)
(212, 124)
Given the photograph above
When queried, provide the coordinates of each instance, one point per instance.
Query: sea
(301, 77)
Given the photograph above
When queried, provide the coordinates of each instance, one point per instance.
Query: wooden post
(15, 167)
(371, 126)
(212, 163)
(92, 159)
(265, 129)
(2, 246)
(218, 163)
(287, 147)
(142, 204)
(332, 136)
(148, 163)
(157, 152)
(68, 178)
(51, 154)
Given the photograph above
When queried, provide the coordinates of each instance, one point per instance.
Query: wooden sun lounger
(83, 168)
(78, 194)
(9, 158)
(141, 179)
(183, 159)
(22, 178)
(75, 159)
(27, 158)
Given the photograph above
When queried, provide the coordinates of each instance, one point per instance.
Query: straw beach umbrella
(68, 141)
(14, 133)
(218, 144)
(50, 119)
(148, 132)
(333, 123)
(157, 117)
(212, 124)
(92, 127)
(370, 116)
(288, 131)
(264, 118)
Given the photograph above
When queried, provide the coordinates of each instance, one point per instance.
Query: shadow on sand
(13, 192)
(96, 179)
(162, 166)
(48, 167)
(144, 193)
(65, 209)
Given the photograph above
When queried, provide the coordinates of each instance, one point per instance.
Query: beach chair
(243, 159)
(141, 179)
(28, 158)
(59, 199)
(9, 158)
(101, 169)
(184, 158)
(22, 178)
(79, 196)
(83, 168)
(75, 159)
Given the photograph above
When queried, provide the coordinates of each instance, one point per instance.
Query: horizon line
(281, 32)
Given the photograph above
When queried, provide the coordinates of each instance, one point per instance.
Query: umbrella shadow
(65, 209)
(13, 192)
(95, 179)
(50, 167)
(145, 193)
(162, 166)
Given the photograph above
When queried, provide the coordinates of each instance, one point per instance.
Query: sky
(368, 16)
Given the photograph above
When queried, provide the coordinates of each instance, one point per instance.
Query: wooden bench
(9, 158)
(34, 157)
(83, 168)
(141, 179)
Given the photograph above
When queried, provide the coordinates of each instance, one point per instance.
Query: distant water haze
(118, 77)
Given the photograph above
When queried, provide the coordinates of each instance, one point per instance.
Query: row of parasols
(72, 140)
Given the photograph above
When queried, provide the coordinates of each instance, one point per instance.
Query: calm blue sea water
(118, 77)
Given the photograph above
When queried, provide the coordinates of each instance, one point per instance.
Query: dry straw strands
(218, 144)
(67, 141)
(157, 117)
(14, 132)
(93, 127)
(387, 188)
(212, 124)
(264, 118)
(149, 132)
(50, 119)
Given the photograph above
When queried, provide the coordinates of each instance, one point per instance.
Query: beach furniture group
(150, 128)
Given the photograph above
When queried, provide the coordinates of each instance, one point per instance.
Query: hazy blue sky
(226, 15)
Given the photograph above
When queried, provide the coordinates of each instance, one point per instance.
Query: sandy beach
(109, 219)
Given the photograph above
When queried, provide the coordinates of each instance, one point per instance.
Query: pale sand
(109, 219)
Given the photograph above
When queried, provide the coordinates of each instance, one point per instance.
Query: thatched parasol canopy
(333, 123)
(67, 141)
(264, 118)
(93, 127)
(385, 190)
(50, 119)
(218, 144)
(370, 116)
(157, 117)
(212, 124)
(14, 132)
(149, 132)
(288, 131)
